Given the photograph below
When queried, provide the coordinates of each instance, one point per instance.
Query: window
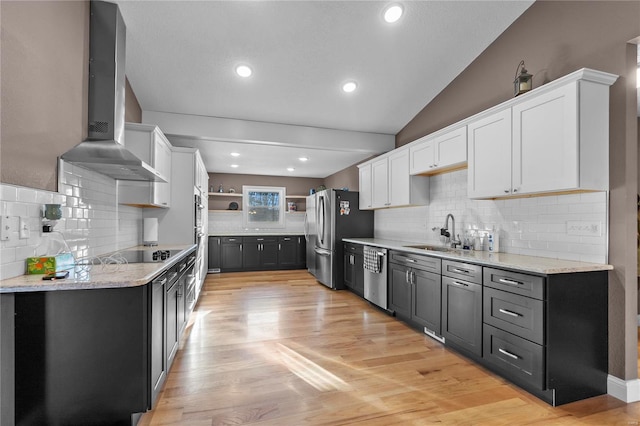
(263, 206)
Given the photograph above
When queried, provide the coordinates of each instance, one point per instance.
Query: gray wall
(555, 38)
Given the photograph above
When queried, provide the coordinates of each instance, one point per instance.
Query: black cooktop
(142, 256)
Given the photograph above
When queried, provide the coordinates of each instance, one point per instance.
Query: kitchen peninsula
(97, 346)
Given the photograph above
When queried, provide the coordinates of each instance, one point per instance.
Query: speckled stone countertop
(538, 265)
(100, 276)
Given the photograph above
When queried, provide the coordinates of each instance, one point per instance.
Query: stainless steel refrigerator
(337, 216)
(310, 233)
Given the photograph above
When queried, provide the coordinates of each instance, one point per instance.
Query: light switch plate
(24, 228)
(584, 228)
(5, 228)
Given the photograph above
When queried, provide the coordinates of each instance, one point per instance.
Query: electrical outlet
(24, 228)
(584, 228)
(5, 228)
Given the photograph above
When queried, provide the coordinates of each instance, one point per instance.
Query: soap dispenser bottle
(494, 240)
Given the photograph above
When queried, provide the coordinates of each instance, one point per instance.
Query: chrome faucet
(451, 235)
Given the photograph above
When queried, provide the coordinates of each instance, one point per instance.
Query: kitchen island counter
(531, 264)
(100, 276)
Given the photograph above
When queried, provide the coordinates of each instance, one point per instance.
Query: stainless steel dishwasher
(375, 275)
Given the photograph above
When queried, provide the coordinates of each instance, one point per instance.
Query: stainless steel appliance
(310, 233)
(103, 150)
(337, 216)
(375, 277)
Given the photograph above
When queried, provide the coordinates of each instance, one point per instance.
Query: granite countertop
(100, 276)
(537, 265)
(255, 234)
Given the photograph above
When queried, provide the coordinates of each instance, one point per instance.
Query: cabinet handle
(279, 247)
(461, 271)
(513, 314)
(240, 247)
(406, 276)
(232, 239)
(287, 239)
(162, 281)
(507, 353)
(506, 191)
(510, 282)
(515, 189)
(260, 239)
(460, 284)
(413, 277)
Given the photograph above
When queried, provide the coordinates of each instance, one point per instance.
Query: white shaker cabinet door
(489, 141)
(380, 183)
(365, 187)
(545, 142)
(422, 157)
(399, 178)
(451, 148)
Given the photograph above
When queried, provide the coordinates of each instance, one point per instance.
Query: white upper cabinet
(550, 140)
(380, 183)
(201, 181)
(390, 184)
(436, 154)
(149, 144)
(365, 194)
(490, 156)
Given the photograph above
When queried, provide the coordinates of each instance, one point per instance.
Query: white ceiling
(181, 57)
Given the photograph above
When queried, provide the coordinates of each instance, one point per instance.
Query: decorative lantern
(523, 81)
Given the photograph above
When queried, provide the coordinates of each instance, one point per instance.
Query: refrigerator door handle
(322, 252)
(321, 219)
(306, 227)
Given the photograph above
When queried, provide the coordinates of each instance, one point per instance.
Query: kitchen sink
(431, 248)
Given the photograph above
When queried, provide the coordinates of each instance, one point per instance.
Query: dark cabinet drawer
(522, 316)
(426, 263)
(514, 282)
(463, 271)
(354, 249)
(232, 240)
(518, 358)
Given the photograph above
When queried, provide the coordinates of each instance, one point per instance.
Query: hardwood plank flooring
(277, 348)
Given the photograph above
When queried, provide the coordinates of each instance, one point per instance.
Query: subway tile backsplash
(92, 221)
(230, 222)
(572, 227)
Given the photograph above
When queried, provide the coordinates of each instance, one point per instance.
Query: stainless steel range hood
(104, 149)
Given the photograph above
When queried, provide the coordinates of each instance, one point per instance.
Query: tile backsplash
(92, 221)
(572, 227)
(230, 222)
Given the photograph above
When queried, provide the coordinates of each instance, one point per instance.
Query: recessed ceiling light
(290, 169)
(303, 159)
(243, 71)
(392, 13)
(235, 166)
(235, 154)
(349, 86)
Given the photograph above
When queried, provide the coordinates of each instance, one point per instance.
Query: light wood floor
(278, 348)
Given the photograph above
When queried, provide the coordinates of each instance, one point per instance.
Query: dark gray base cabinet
(462, 314)
(215, 254)
(414, 290)
(260, 253)
(354, 268)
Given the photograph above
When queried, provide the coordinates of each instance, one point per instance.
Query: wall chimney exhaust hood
(104, 150)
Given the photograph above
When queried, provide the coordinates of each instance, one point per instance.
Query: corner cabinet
(386, 182)
(552, 139)
(149, 144)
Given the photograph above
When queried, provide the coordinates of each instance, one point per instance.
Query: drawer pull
(461, 271)
(510, 282)
(459, 283)
(513, 314)
(507, 353)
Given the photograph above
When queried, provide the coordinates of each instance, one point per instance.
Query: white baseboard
(625, 390)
